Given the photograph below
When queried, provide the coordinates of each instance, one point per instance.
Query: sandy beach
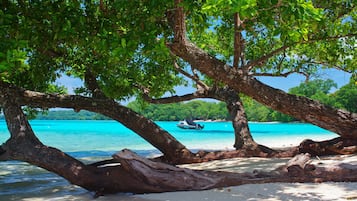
(270, 191)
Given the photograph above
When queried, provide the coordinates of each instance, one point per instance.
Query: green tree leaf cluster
(70, 115)
(178, 111)
(346, 97)
(122, 43)
(318, 89)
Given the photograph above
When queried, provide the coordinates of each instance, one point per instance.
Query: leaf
(123, 42)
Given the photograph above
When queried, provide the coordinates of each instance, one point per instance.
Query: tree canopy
(124, 43)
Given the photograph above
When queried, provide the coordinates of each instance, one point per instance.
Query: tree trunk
(24, 146)
(339, 121)
(244, 142)
(174, 152)
(243, 137)
(172, 149)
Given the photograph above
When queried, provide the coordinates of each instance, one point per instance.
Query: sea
(93, 140)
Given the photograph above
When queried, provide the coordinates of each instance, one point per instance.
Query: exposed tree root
(336, 146)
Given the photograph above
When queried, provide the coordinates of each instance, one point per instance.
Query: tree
(311, 88)
(316, 89)
(243, 137)
(89, 41)
(118, 48)
(278, 45)
(346, 96)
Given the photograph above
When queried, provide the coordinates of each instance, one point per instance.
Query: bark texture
(243, 137)
(335, 146)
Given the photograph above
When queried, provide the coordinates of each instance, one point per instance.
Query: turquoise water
(79, 136)
(93, 140)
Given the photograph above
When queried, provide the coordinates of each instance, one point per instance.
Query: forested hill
(203, 110)
(67, 115)
(70, 115)
(174, 112)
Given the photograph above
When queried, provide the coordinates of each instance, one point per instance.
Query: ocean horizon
(93, 140)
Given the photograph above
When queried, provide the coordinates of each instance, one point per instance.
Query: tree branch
(179, 23)
(148, 130)
(192, 77)
(92, 84)
(261, 61)
(326, 64)
(281, 74)
(174, 99)
(332, 119)
(238, 42)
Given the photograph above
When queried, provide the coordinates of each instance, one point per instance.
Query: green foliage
(179, 111)
(313, 88)
(314, 34)
(70, 115)
(56, 89)
(260, 113)
(206, 110)
(124, 44)
(121, 42)
(346, 97)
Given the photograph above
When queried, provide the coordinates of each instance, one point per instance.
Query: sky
(340, 77)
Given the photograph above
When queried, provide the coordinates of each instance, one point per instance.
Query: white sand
(251, 192)
(275, 191)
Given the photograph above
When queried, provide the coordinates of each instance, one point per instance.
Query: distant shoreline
(200, 121)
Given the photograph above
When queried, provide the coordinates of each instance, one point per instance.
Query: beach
(91, 141)
(269, 191)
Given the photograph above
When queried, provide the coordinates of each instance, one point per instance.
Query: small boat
(189, 124)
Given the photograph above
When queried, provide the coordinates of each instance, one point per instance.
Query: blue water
(96, 136)
(95, 140)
